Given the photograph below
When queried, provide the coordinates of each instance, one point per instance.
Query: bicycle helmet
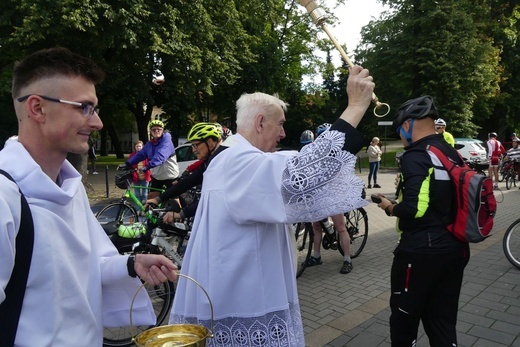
(418, 108)
(155, 123)
(440, 122)
(492, 134)
(306, 137)
(203, 131)
(226, 133)
(321, 128)
(220, 129)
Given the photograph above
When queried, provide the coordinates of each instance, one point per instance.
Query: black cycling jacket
(187, 182)
(426, 198)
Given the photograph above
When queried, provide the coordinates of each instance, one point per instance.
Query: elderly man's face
(272, 131)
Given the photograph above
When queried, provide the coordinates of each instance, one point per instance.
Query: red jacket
(135, 174)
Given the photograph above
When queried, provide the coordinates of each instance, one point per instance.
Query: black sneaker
(346, 268)
(314, 261)
(369, 186)
(377, 186)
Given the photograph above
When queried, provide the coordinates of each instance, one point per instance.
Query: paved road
(352, 310)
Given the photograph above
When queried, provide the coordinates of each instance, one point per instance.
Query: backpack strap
(446, 161)
(11, 307)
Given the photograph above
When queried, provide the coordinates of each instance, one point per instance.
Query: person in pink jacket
(140, 178)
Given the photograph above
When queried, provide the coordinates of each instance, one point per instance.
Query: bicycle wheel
(304, 240)
(511, 243)
(501, 174)
(357, 228)
(509, 180)
(161, 297)
(117, 213)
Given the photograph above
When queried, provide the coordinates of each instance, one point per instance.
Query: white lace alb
(320, 181)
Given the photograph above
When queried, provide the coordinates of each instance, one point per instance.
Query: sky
(352, 16)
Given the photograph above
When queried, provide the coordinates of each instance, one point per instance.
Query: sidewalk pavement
(352, 310)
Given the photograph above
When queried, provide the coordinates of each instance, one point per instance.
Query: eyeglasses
(88, 109)
(196, 145)
(438, 127)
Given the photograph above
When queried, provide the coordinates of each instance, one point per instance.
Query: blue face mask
(407, 134)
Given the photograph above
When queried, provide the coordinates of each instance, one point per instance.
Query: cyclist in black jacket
(429, 262)
(205, 138)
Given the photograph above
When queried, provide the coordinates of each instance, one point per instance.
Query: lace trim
(275, 329)
(320, 180)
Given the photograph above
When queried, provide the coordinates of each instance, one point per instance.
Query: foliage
(464, 53)
(445, 49)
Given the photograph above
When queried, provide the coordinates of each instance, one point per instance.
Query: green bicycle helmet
(203, 131)
(155, 123)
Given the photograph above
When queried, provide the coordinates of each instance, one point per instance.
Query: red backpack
(476, 203)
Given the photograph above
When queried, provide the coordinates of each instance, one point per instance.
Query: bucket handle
(210, 335)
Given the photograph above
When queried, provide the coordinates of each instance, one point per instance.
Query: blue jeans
(374, 168)
(141, 193)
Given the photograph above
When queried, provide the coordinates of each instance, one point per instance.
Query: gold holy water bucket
(175, 335)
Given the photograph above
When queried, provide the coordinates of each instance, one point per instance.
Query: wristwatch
(130, 265)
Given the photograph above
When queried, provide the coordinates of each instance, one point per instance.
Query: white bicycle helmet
(306, 137)
(440, 122)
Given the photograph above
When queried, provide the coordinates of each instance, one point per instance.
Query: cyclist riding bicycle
(162, 161)
(339, 223)
(205, 138)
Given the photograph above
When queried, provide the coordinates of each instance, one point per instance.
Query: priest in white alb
(240, 249)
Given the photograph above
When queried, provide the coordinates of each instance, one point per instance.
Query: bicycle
(511, 243)
(501, 172)
(124, 211)
(356, 222)
(510, 173)
(150, 238)
(144, 234)
(478, 165)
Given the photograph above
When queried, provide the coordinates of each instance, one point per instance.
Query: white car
(471, 149)
(185, 156)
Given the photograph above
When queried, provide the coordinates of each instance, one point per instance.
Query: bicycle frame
(129, 194)
(158, 239)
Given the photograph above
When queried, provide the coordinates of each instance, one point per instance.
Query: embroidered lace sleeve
(320, 181)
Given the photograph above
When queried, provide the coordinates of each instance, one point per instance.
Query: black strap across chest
(11, 307)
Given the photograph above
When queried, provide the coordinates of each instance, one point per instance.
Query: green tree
(191, 42)
(436, 48)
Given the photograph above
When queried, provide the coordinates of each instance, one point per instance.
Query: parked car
(471, 149)
(185, 156)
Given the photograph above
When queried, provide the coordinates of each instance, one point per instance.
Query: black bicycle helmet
(418, 108)
(306, 137)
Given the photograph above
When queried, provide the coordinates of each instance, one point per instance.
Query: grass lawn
(109, 160)
(387, 160)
